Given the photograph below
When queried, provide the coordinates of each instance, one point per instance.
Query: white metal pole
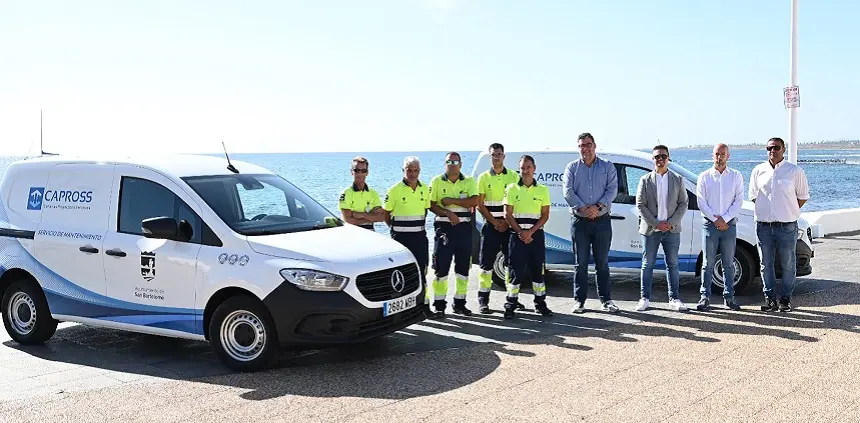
(792, 112)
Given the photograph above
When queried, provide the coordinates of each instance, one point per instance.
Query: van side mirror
(160, 227)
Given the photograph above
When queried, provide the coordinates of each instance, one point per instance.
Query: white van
(184, 246)
(625, 255)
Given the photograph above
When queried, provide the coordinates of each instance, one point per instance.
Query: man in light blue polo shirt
(590, 185)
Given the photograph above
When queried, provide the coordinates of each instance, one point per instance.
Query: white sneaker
(677, 305)
(643, 305)
(610, 307)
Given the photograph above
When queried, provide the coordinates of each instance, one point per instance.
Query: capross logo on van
(548, 177)
(39, 197)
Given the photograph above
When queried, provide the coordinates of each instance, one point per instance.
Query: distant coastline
(819, 145)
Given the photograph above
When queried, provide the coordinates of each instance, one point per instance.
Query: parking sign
(792, 96)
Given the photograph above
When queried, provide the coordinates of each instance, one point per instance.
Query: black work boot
(540, 307)
(439, 305)
(460, 307)
(484, 303)
(510, 305)
(769, 304)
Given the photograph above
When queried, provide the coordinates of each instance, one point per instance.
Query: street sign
(792, 97)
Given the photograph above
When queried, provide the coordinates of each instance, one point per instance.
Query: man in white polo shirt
(720, 193)
(779, 189)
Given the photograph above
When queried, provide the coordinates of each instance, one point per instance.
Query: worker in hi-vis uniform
(360, 204)
(527, 206)
(406, 204)
(452, 198)
(495, 233)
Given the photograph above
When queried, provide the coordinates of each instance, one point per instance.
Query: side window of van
(142, 199)
(628, 183)
(692, 201)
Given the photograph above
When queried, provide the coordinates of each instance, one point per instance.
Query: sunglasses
(586, 145)
(661, 157)
(773, 148)
(452, 162)
(360, 170)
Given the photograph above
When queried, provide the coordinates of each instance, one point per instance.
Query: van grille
(376, 286)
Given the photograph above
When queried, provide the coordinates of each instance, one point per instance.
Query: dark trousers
(591, 238)
(492, 241)
(527, 257)
(451, 243)
(417, 244)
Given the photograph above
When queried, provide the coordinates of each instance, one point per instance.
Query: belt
(776, 223)
(601, 217)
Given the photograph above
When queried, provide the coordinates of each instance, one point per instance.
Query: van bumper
(803, 257)
(307, 319)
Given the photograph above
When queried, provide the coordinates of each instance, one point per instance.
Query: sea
(324, 175)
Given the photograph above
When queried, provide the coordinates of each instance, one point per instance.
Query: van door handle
(616, 217)
(115, 252)
(88, 249)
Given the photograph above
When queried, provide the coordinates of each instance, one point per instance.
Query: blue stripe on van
(67, 298)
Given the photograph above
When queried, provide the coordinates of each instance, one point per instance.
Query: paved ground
(653, 366)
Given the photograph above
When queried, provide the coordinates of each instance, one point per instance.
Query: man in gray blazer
(662, 202)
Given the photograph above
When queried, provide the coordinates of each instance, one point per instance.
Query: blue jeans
(591, 237)
(715, 241)
(671, 243)
(785, 239)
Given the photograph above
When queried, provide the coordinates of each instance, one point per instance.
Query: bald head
(721, 156)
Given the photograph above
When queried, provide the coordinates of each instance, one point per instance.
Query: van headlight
(314, 280)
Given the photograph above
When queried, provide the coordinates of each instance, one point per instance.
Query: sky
(416, 75)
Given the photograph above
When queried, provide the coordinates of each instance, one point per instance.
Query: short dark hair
(527, 157)
(454, 153)
(660, 147)
(496, 146)
(778, 139)
(360, 160)
(585, 135)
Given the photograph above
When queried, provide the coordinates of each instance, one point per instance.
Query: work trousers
(523, 257)
(451, 243)
(492, 242)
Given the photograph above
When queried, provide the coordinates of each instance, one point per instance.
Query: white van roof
(175, 165)
(606, 153)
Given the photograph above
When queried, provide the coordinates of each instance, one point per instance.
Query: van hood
(339, 244)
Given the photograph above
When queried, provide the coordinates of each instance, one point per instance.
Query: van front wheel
(26, 315)
(744, 274)
(242, 334)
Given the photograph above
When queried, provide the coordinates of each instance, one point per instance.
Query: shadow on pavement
(479, 341)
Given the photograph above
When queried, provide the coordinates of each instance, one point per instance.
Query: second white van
(625, 255)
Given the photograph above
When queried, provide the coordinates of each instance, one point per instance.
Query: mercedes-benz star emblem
(398, 281)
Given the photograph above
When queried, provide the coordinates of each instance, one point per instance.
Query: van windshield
(261, 204)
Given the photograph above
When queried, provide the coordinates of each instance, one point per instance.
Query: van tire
(26, 315)
(242, 317)
(500, 270)
(744, 263)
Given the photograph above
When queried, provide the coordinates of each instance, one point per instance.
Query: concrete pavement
(646, 367)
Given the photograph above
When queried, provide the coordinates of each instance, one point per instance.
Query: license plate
(397, 305)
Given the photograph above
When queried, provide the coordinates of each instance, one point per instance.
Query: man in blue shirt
(590, 185)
